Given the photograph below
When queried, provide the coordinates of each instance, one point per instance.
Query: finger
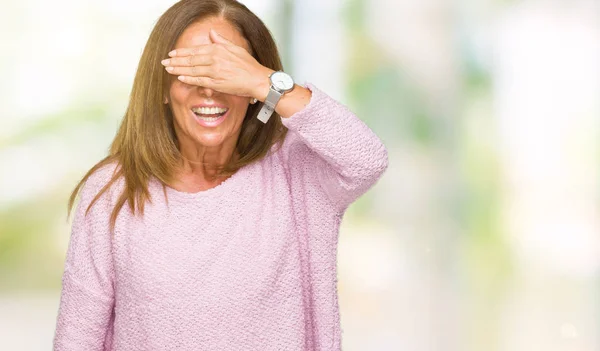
(219, 39)
(193, 60)
(196, 50)
(194, 71)
(200, 81)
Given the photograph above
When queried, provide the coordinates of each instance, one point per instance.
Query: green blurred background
(484, 233)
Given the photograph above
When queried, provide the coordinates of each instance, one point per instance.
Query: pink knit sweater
(247, 265)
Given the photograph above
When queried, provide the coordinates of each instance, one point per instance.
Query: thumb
(218, 38)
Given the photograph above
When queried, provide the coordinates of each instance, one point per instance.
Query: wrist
(263, 84)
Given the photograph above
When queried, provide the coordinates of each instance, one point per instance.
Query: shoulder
(98, 180)
(103, 174)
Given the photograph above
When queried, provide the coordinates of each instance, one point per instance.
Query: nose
(208, 92)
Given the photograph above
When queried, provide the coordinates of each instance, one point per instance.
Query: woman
(206, 228)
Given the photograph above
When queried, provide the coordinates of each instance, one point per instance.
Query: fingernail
(180, 78)
(169, 68)
(172, 53)
(165, 61)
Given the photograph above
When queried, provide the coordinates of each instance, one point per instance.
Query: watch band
(269, 105)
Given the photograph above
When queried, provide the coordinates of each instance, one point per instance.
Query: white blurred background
(484, 233)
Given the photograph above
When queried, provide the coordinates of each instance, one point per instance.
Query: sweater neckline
(225, 186)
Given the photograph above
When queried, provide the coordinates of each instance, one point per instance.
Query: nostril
(206, 91)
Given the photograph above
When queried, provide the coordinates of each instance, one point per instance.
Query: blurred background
(484, 234)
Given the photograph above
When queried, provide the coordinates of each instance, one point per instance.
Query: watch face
(282, 81)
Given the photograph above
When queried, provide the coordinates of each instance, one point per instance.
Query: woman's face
(195, 130)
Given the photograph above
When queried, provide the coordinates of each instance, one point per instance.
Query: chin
(210, 140)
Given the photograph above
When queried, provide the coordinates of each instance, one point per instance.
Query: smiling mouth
(209, 113)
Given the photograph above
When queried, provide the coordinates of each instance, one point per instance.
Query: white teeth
(209, 119)
(209, 110)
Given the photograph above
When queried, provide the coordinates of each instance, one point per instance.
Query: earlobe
(253, 101)
(166, 101)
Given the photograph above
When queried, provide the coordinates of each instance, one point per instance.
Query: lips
(209, 111)
(210, 119)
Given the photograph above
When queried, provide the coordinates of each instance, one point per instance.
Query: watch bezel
(287, 78)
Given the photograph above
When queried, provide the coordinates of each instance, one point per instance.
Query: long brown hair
(145, 145)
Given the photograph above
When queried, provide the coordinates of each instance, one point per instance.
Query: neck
(204, 166)
(200, 173)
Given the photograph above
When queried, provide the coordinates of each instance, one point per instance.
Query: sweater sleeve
(87, 297)
(350, 158)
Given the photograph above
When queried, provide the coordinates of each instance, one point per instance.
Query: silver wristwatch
(281, 83)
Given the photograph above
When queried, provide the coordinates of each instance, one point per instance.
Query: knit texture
(247, 265)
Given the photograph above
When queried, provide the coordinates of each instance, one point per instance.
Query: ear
(166, 101)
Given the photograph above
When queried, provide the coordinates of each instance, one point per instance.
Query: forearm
(354, 156)
(293, 101)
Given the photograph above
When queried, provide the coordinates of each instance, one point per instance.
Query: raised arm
(351, 158)
(87, 298)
